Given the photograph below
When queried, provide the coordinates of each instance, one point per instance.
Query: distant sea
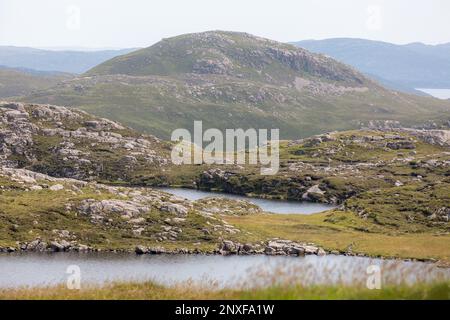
(437, 93)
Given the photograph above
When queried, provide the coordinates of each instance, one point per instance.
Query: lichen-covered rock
(225, 206)
(100, 209)
(174, 208)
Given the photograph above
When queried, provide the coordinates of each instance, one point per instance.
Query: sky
(141, 23)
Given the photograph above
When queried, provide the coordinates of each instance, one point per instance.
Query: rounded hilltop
(235, 54)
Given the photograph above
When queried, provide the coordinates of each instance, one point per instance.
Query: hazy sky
(139, 23)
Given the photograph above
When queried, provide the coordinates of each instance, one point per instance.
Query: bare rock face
(436, 137)
(97, 210)
(103, 125)
(441, 215)
(31, 177)
(313, 194)
(213, 66)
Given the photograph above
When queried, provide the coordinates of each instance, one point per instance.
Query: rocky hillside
(73, 181)
(71, 143)
(238, 55)
(390, 179)
(40, 213)
(230, 79)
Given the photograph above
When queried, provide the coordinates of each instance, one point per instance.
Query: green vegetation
(344, 232)
(236, 80)
(146, 291)
(17, 83)
(390, 189)
(40, 214)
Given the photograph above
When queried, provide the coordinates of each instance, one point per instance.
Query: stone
(299, 251)
(175, 208)
(99, 209)
(228, 247)
(36, 245)
(55, 246)
(315, 189)
(400, 145)
(398, 183)
(56, 187)
(287, 247)
(156, 250)
(248, 247)
(141, 250)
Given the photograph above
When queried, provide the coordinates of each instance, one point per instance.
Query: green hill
(230, 80)
(17, 82)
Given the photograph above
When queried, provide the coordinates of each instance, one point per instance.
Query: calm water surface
(37, 269)
(274, 206)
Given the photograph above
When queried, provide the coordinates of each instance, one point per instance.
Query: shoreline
(184, 251)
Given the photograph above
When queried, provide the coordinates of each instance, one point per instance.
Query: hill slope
(70, 143)
(15, 82)
(414, 65)
(232, 80)
(49, 60)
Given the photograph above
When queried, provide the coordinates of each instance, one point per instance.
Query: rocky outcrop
(178, 209)
(436, 137)
(57, 245)
(98, 210)
(397, 145)
(136, 212)
(33, 178)
(271, 247)
(225, 206)
(314, 193)
(78, 141)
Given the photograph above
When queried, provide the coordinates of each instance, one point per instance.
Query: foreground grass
(152, 291)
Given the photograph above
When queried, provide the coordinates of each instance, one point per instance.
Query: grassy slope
(159, 89)
(18, 83)
(156, 110)
(27, 215)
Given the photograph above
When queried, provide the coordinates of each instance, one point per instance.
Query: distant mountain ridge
(236, 80)
(413, 65)
(55, 61)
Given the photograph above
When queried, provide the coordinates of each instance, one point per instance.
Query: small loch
(273, 206)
